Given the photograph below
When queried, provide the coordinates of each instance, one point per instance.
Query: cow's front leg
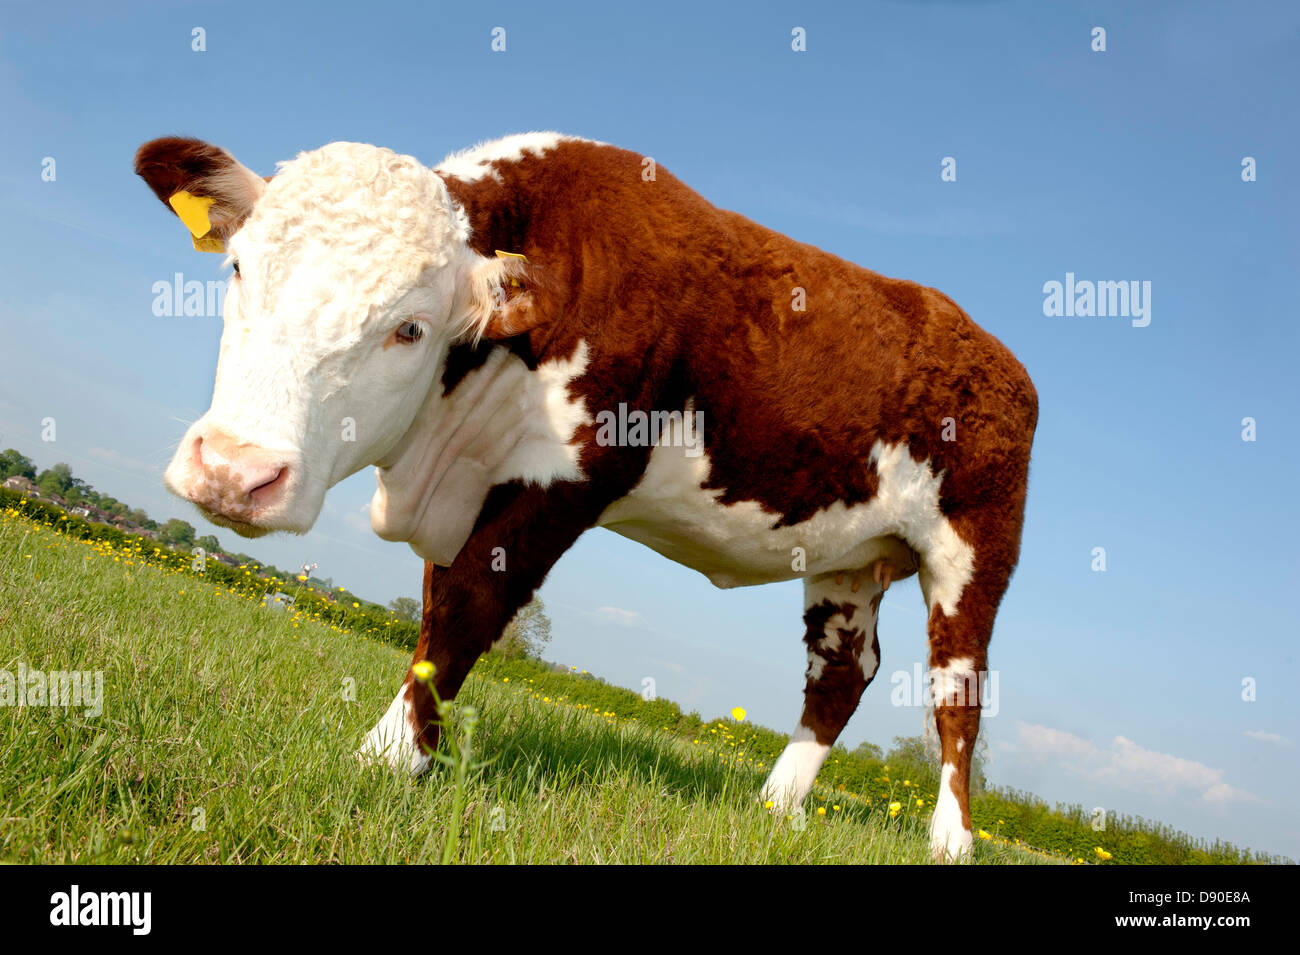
(395, 739)
(519, 535)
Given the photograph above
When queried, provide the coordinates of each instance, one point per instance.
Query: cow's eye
(236, 266)
(409, 332)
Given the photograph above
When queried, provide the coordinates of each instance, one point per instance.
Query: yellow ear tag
(193, 211)
(512, 255)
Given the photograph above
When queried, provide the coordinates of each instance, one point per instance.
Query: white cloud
(668, 665)
(1263, 737)
(1127, 765)
(617, 616)
(1043, 741)
(358, 521)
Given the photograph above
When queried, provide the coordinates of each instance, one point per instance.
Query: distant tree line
(526, 636)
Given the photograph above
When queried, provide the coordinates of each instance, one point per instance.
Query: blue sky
(1120, 689)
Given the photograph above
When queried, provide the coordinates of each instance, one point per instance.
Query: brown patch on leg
(467, 605)
(423, 712)
(993, 531)
(832, 697)
(963, 636)
(958, 723)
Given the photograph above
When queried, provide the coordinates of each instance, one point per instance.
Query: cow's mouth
(241, 527)
(250, 498)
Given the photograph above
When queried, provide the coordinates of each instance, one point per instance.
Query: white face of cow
(352, 279)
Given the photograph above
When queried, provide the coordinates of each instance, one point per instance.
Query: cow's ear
(203, 184)
(517, 314)
(505, 297)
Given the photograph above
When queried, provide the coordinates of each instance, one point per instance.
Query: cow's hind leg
(840, 612)
(960, 625)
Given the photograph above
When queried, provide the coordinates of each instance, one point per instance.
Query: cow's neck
(501, 421)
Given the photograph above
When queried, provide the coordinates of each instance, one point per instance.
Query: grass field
(228, 730)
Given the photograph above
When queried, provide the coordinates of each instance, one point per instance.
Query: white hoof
(950, 840)
(792, 776)
(949, 845)
(394, 740)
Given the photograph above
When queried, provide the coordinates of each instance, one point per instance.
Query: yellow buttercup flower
(821, 810)
(1103, 854)
(423, 670)
(738, 714)
(985, 835)
(895, 808)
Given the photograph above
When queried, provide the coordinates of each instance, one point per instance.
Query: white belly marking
(736, 545)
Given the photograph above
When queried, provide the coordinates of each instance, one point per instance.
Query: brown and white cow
(749, 406)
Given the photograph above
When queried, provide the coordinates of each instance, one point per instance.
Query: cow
(545, 334)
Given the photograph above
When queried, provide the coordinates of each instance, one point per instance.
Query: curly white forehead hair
(375, 218)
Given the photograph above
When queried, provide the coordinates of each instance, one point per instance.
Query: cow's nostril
(230, 474)
(196, 454)
(270, 488)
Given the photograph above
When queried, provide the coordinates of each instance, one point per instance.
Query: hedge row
(337, 608)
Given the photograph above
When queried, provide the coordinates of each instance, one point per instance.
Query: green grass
(227, 735)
